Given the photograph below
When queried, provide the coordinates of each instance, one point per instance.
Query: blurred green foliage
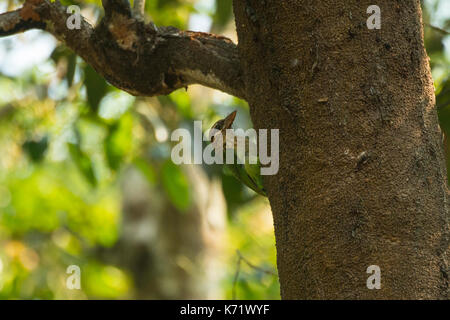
(67, 138)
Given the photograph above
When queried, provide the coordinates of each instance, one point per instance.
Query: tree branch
(437, 28)
(139, 9)
(134, 56)
(12, 23)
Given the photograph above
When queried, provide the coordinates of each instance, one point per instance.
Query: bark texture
(136, 57)
(362, 178)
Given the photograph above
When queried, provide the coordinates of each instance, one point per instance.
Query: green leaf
(223, 12)
(434, 41)
(182, 102)
(96, 87)
(59, 52)
(146, 169)
(118, 142)
(83, 162)
(443, 105)
(36, 148)
(176, 185)
(443, 108)
(71, 66)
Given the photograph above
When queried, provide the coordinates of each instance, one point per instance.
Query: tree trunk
(362, 178)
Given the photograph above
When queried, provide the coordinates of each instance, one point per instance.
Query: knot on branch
(27, 11)
(123, 31)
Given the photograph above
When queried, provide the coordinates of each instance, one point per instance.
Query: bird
(247, 173)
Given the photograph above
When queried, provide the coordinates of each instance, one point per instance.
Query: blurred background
(86, 177)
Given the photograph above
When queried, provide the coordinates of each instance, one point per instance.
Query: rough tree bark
(362, 179)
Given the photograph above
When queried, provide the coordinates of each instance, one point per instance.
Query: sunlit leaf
(176, 185)
(83, 162)
(118, 142)
(105, 281)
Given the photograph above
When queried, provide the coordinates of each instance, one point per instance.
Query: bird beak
(229, 120)
(224, 125)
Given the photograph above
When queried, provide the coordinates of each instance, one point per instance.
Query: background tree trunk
(362, 178)
(171, 254)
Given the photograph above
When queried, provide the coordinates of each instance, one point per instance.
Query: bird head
(222, 125)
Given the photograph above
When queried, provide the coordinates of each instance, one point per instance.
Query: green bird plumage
(249, 174)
